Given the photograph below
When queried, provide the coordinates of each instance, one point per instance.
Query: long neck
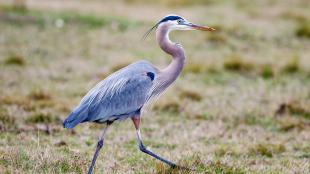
(172, 71)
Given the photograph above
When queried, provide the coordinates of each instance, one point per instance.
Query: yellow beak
(202, 28)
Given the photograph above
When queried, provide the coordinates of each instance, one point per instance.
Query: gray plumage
(120, 95)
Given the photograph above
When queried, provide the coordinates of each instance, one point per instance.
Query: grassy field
(241, 104)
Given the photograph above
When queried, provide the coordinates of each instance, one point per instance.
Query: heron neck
(172, 71)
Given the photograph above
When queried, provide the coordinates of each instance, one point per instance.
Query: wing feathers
(124, 91)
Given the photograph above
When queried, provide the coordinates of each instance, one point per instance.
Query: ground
(241, 104)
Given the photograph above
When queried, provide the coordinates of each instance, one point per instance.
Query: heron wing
(123, 92)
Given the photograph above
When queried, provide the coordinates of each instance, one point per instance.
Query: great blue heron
(123, 94)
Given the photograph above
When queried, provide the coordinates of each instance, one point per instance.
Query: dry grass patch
(7, 122)
(294, 108)
(219, 167)
(195, 68)
(303, 29)
(253, 119)
(224, 150)
(268, 150)
(201, 116)
(42, 117)
(289, 123)
(15, 60)
(292, 66)
(23, 160)
(217, 38)
(19, 101)
(38, 94)
(192, 95)
(236, 63)
(170, 106)
(197, 165)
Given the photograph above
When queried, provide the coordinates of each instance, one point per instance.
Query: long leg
(136, 122)
(99, 146)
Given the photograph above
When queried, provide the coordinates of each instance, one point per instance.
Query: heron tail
(77, 116)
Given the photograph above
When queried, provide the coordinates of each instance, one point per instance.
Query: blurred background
(241, 104)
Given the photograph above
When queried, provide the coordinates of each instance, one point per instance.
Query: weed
(299, 110)
(292, 65)
(203, 116)
(169, 106)
(6, 120)
(294, 15)
(63, 166)
(306, 155)
(195, 68)
(266, 71)
(39, 95)
(294, 109)
(192, 95)
(236, 63)
(253, 119)
(89, 142)
(225, 150)
(288, 123)
(267, 150)
(217, 38)
(41, 117)
(303, 30)
(20, 5)
(15, 60)
(218, 167)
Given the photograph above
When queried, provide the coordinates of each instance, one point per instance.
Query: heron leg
(136, 121)
(99, 146)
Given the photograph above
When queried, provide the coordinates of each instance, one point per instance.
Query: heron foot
(145, 150)
(171, 164)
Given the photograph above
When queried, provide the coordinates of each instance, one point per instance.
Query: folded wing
(118, 96)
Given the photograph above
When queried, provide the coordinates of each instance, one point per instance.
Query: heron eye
(180, 21)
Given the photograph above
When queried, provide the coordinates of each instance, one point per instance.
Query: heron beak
(202, 28)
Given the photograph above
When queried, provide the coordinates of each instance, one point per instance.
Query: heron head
(175, 22)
